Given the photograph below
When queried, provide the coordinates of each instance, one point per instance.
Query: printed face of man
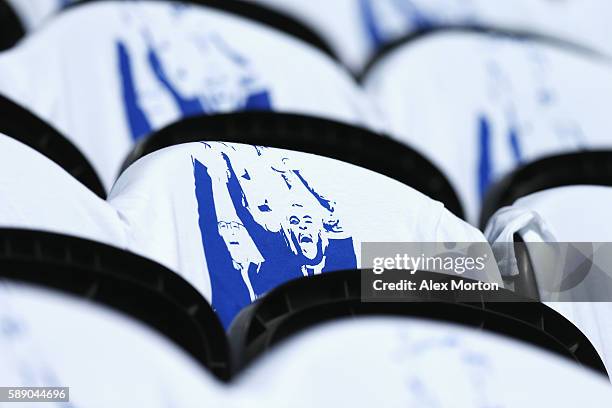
(235, 237)
(306, 230)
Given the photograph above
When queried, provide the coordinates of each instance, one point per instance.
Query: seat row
(237, 221)
(358, 30)
(475, 127)
(60, 298)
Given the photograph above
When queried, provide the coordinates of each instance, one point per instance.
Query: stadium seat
(50, 339)
(138, 66)
(238, 220)
(564, 236)
(161, 205)
(582, 168)
(403, 362)
(123, 281)
(11, 27)
(336, 140)
(504, 101)
(38, 194)
(24, 126)
(300, 304)
(30, 15)
(359, 30)
(54, 339)
(306, 203)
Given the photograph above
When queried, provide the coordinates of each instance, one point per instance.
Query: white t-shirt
(241, 219)
(357, 28)
(399, 362)
(565, 229)
(52, 340)
(38, 194)
(135, 67)
(478, 106)
(277, 215)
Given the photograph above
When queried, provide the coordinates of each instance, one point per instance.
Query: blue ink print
(383, 20)
(137, 118)
(199, 73)
(515, 144)
(375, 27)
(489, 132)
(540, 117)
(485, 155)
(222, 240)
(485, 165)
(247, 258)
(21, 355)
(374, 32)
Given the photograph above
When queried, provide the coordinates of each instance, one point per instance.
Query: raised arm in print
(226, 250)
(182, 72)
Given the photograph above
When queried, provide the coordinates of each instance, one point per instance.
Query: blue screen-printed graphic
(21, 357)
(247, 258)
(541, 119)
(418, 352)
(383, 20)
(199, 73)
(374, 27)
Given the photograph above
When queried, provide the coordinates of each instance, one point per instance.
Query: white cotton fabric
(479, 106)
(137, 66)
(275, 215)
(398, 362)
(294, 214)
(355, 29)
(108, 360)
(51, 339)
(576, 214)
(36, 193)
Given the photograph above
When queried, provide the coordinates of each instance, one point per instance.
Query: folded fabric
(38, 194)
(53, 340)
(233, 220)
(502, 102)
(135, 67)
(567, 233)
(398, 362)
(237, 220)
(356, 29)
(572, 214)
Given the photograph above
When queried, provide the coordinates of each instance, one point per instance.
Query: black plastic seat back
(587, 167)
(307, 134)
(306, 302)
(124, 281)
(11, 28)
(525, 282)
(414, 37)
(22, 125)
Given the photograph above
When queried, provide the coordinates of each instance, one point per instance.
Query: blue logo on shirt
(257, 238)
(544, 121)
(196, 75)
